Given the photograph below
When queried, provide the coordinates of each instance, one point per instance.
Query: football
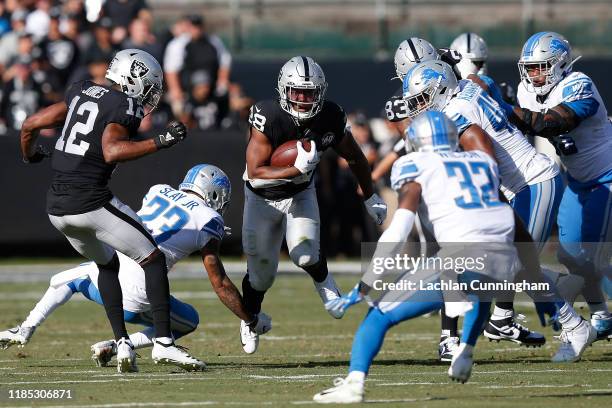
(285, 154)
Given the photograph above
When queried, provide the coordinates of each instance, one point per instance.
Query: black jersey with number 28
(326, 129)
(80, 173)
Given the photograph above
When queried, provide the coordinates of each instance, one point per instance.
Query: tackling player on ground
(281, 201)
(182, 222)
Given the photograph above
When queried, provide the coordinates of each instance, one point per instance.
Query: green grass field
(303, 353)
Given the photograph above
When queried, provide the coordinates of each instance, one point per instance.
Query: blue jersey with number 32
(459, 195)
(181, 223)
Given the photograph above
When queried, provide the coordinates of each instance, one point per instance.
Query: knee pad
(306, 253)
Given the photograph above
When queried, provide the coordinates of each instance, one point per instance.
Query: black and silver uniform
(80, 174)
(326, 129)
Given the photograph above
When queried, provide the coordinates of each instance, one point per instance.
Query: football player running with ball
(281, 201)
(566, 108)
(98, 123)
(182, 222)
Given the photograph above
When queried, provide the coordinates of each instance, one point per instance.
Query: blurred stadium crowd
(47, 45)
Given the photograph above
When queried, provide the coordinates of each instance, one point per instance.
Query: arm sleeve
(578, 96)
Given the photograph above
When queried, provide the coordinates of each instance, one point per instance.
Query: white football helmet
(210, 183)
(545, 54)
(429, 86)
(472, 47)
(301, 77)
(138, 74)
(432, 131)
(410, 52)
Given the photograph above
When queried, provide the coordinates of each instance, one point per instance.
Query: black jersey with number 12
(80, 173)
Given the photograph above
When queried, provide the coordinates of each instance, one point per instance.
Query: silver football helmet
(410, 52)
(138, 74)
(545, 60)
(472, 47)
(429, 86)
(210, 183)
(301, 87)
(432, 131)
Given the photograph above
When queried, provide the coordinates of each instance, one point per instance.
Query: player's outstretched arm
(221, 283)
(47, 118)
(384, 166)
(117, 147)
(258, 153)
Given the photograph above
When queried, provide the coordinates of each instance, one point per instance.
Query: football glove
(262, 323)
(40, 153)
(376, 208)
(548, 314)
(342, 303)
(174, 133)
(306, 161)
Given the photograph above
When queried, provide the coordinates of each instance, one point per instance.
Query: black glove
(452, 58)
(40, 153)
(175, 132)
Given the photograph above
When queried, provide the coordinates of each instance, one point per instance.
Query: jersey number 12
(69, 144)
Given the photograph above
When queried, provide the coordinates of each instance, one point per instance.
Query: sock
(110, 292)
(143, 338)
(158, 293)
(51, 300)
(568, 317)
(252, 298)
(474, 321)
(318, 271)
(368, 340)
(449, 324)
(500, 311)
(356, 376)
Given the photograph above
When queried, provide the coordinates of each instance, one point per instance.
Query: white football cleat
(328, 290)
(461, 365)
(19, 335)
(448, 347)
(126, 356)
(248, 338)
(574, 342)
(172, 354)
(103, 352)
(344, 391)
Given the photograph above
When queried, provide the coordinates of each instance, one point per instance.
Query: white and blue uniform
(459, 197)
(181, 224)
(584, 212)
(529, 180)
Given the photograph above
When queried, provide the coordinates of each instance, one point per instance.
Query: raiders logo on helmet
(138, 69)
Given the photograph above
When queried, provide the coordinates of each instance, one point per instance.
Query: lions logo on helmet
(428, 86)
(210, 183)
(138, 74)
(410, 52)
(545, 61)
(432, 131)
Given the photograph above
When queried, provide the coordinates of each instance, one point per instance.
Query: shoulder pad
(404, 170)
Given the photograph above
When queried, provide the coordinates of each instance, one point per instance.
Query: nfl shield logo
(138, 69)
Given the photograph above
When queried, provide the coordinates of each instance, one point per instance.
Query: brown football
(285, 154)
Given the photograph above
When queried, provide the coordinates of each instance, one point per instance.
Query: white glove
(263, 325)
(306, 161)
(466, 67)
(376, 208)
